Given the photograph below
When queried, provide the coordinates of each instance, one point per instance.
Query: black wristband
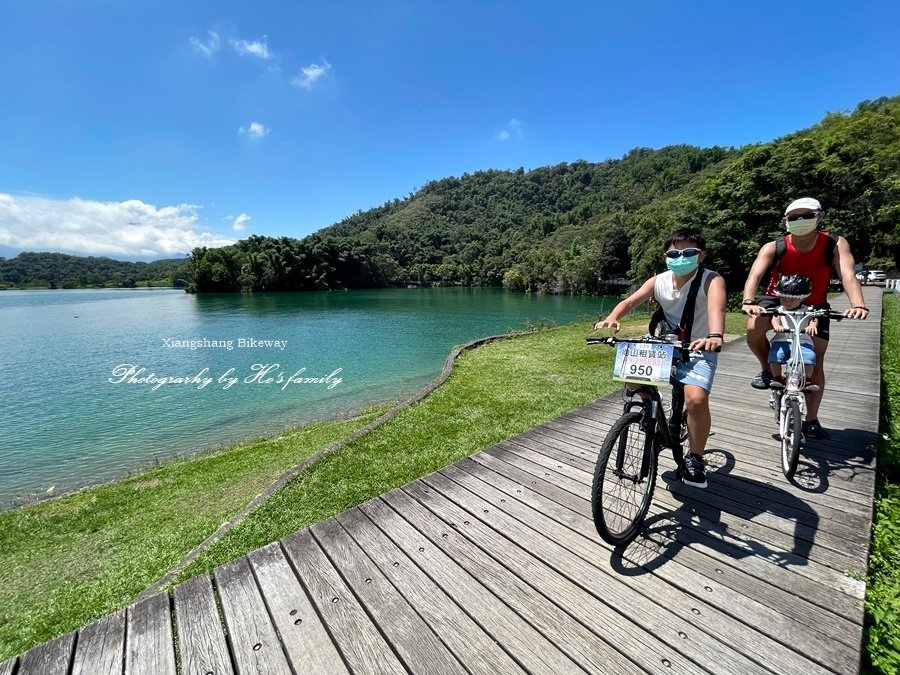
(860, 307)
(748, 301)
(715, 335)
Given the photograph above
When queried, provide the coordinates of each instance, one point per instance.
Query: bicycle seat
(776, 385)
(811, 387)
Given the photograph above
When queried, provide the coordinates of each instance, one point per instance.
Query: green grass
(73, 559)
(882, 639)
(68, 561)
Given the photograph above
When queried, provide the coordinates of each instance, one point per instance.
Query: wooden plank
(736, 542)
(569, 553)
(201, 638)
(574, 512)
(419, 647)
(255, 646)
(460, 632)
(663, 609)
(845, 460)
(359, 640)
(149, 641)
(101, 646)
(766, 471)
(305, 639)
(476, 543)
(516, 634)
(50, 658)
(852, 526)
(9, 667)
(762, 504)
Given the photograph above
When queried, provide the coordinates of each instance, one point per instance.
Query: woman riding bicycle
(684, 252)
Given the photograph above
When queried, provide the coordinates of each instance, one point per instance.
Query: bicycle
(790, 396)
(623, 489)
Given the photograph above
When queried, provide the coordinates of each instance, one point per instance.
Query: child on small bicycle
(792, 290)
(683, 252)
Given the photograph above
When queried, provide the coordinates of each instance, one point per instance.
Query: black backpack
(781, 247)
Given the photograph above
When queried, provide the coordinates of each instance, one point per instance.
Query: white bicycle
(790, 397)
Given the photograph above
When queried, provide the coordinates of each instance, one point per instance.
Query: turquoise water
(77, 409)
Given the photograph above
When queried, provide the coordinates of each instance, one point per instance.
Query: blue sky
(142, 129)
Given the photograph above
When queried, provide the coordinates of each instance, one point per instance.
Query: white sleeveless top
(672, 301)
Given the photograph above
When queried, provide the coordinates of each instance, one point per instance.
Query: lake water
(87, 390)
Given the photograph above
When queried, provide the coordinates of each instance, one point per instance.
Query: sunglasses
(802, 216)
(686, 252)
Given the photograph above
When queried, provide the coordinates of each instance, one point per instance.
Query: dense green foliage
(58, 270)
(882, 646)
(564, 228)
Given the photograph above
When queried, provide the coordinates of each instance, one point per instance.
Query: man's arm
(764, 260)
(845, 265)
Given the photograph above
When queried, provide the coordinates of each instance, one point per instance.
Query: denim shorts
(699, 371)
(780, 352)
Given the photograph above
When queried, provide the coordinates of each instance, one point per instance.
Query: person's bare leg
(696, 402)
(814, 398)
(757, 340)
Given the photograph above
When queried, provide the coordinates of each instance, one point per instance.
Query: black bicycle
(625, 474)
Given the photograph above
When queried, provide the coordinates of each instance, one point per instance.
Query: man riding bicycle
(808, 251)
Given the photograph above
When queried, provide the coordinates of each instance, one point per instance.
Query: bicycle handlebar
(775, 311)
(612, 340)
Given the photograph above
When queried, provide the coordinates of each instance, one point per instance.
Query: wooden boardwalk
(493, 565)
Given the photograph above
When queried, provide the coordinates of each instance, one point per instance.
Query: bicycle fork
(651, 419)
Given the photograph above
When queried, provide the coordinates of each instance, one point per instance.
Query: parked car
(875, 277)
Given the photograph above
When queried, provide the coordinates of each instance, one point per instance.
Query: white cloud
(130, 228)
(309, 75)
(254, 130)
(208, 47)
(240, 223)
(514, 129)
(259, 50)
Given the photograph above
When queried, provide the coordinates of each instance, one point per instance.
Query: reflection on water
(64, 422)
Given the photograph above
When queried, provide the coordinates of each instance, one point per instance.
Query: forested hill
(561, 228)
(58, 270)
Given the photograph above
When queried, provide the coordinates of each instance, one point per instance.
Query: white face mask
(801, 227)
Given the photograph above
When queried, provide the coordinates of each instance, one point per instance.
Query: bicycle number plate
(643, 363)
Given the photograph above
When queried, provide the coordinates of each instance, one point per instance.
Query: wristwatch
(748, 301)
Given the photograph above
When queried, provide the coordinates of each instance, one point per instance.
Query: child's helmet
(794, 286)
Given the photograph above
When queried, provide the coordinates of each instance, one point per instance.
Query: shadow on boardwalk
(702, 516)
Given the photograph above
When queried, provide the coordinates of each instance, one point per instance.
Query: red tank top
(811, 264)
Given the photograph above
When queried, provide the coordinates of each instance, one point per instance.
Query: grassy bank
(882, 642)
(68, 561)
(73, 559)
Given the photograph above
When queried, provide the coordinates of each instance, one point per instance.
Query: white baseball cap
(803, 203)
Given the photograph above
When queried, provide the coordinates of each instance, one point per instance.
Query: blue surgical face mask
(684, 265)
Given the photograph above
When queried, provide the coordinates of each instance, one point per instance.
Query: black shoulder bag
(658, 324)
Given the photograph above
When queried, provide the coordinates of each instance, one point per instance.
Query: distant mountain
(566, 228)
(59, 270)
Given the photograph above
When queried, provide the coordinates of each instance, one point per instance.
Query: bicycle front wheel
(624, 479)
(791, 435)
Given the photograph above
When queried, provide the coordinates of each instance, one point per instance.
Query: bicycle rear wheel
(791, 435)
(624, 479)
